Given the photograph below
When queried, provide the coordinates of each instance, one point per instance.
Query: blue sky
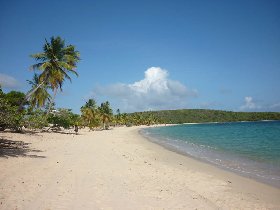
(149, 55)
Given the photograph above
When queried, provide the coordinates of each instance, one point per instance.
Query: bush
(36, 120)
(10, 117)
(63, 118)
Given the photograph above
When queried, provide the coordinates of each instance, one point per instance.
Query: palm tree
(118, 117)
(105, 112)
(41, 95)
(91, 103)
(89, 113)
(124, 118)
(55, 62)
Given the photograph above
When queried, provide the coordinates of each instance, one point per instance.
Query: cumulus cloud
(7, 81)
(249, 104)
(155, 91)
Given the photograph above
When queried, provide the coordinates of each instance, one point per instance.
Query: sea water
(251, 149)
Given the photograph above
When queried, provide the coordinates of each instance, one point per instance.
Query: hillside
(204, 115)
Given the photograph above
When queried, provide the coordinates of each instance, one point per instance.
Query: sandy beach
(116, 169)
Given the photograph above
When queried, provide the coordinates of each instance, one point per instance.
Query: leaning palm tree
(55, 63)
(41, 95)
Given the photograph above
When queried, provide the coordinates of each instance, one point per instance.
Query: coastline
(181, 148)
(118, 169)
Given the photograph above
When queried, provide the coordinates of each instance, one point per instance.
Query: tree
(118, 117)
(35, 119)
(105, 113)
(90, 114)
(91, 103)
(55, 62)
(41, 95)
(63, 118)
(10, 116)
(15, 98)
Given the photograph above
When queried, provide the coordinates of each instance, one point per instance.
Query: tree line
(206, 115)
(92, 115)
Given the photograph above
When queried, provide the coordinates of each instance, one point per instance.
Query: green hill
(204, 115)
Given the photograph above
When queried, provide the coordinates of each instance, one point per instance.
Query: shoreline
(118, 169)
(180, 150)
(240, 184)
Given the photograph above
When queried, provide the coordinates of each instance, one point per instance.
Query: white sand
(117, 169)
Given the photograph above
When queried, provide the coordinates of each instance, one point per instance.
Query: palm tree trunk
(27, 96)
(54, 95)
(103, 123)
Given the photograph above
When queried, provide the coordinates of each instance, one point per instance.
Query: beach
(116, 169)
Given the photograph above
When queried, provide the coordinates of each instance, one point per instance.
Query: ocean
(251, 149)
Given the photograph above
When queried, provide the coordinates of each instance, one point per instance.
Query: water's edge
(178, 150)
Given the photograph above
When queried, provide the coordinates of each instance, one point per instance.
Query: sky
(149, 54)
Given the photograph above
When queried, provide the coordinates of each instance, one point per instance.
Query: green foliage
(36, 119)
(10, 116)
(15, 98)
(1, 91)
(137, 118)
(63, 118)
(40, 95)
(91, 103)
(90, 115)
(93, 116)
(55, 62)
(203, 115)
(142, 118)
(106, 113)
(118, 119)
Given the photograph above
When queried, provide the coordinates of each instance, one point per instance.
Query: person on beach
(76, 129)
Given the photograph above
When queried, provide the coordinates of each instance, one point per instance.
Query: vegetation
(54, 63)
(35, 119)
(63, 118)
(93, 116)
(40, 96)
(10, 116)
(90, 114)
(106, 113)
(204, 115)
(36, 109)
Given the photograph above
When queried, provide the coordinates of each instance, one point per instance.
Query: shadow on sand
(12, 148)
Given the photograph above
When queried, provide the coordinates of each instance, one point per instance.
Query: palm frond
(35, 66)
(39, 56)
(66, 75)
(65, 65)
(57, 60)
(45, 65)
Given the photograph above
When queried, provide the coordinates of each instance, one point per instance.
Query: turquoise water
(251, 149)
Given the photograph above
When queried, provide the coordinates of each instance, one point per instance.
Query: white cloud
(156, 91)
(249, 104)
(7, 81)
